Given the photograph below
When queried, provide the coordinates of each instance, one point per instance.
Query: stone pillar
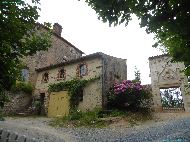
(157, 106)
(185, 90)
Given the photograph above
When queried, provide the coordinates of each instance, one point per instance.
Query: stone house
(62, 62)
(109, 69)
(166, 74)
(61, 50)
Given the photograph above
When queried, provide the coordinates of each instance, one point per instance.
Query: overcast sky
(82, 28)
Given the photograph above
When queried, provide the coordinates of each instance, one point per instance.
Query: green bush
(1, 115)
(75, 115)
(3, 97)
(22, 86)
(129, 96)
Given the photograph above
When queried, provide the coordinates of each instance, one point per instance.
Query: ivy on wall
(74, 87)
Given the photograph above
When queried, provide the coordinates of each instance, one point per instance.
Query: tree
(19, 37)
(169, 20)
(137, 75)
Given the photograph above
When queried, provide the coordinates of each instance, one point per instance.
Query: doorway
(59, 104)
(42, 102)
(171, 98)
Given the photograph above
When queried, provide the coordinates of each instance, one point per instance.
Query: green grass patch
(86, 119)
(98, 118)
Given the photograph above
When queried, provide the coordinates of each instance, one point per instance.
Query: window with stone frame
(45, 77)
(82, 69)
(61, 74)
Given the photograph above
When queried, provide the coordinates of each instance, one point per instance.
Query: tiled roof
(91, 56)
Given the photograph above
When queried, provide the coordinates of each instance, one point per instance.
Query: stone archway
(164, 75)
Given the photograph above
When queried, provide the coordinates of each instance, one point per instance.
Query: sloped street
(171, 130)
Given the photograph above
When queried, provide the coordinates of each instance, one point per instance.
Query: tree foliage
(169, 20)
(18, 37)
(137, 75)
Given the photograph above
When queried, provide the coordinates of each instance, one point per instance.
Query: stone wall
(60, 51)
(108, 68)
(19, 102)
(92, 95)
(165, 74)
(10, 136)
(115, 70)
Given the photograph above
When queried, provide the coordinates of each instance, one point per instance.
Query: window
(45, 77)
(25, 75)
(82, 69)
(61, 74)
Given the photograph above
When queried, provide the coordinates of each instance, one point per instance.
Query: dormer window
(45, 77)
(61, 74)
(82, 69)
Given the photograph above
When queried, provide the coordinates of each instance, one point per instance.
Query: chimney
(57, 29)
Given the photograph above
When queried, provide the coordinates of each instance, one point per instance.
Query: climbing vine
(74, 87)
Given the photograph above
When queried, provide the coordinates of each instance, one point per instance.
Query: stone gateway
(167, 78)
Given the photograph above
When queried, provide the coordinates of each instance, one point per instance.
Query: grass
(99, 119)
(78, 119)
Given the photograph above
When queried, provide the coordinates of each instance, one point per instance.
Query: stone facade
(109, 69)
(165, 74)
(61, 51)
(114, 70)
(63, 57)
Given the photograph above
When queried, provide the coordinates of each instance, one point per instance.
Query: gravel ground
(177, 129)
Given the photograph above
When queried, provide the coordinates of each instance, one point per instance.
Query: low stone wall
(18, 103)
(8, 136)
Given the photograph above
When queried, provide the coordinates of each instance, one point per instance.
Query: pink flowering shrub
(129, 95)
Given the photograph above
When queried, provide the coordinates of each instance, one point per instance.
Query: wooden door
(58, 104)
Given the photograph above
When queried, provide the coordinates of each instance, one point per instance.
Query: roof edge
(91, 56)
(157, 56)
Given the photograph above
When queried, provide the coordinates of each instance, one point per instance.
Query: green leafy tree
(169, 20)
(19, 37)
(137, 75)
